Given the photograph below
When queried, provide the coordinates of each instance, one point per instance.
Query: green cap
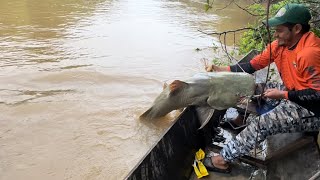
(291, 13)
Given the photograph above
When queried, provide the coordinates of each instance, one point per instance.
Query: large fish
(212, 90)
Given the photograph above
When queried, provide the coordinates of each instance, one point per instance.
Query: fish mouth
(151, 114)
(146, 115)
(154, 113)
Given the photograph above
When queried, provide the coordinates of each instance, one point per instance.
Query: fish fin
(165, 85)
(176, 86)
(204, 115)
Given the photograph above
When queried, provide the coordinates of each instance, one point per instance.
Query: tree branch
(246, 10)
(225, 6)
(225, 32)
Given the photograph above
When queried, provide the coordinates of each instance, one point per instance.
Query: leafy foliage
(258, 38)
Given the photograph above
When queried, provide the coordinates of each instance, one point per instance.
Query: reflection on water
(17, 97)
(36, 30)
(76, 75)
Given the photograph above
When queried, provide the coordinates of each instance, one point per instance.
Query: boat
(172, 156)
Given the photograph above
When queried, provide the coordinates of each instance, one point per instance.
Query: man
(296, 53)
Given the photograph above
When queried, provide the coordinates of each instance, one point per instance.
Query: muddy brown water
(76, 75)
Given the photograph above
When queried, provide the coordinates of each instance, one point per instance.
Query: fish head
(171, 98)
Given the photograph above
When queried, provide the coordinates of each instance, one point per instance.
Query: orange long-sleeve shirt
(299, 68)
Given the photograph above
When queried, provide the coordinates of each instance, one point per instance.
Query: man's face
(284, 36)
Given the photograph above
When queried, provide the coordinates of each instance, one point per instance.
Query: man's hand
(274, 94)
(210, 67)
(216, 68)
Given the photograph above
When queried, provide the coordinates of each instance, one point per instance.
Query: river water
(75, 75)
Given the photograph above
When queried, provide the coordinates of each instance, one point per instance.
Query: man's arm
(246, 67)
(258, 62)
(240, 67)
(308, 98)
(308, 68)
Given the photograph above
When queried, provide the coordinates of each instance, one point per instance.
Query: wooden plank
(291, 147)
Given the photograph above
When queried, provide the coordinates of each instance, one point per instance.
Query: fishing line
(264, 85)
